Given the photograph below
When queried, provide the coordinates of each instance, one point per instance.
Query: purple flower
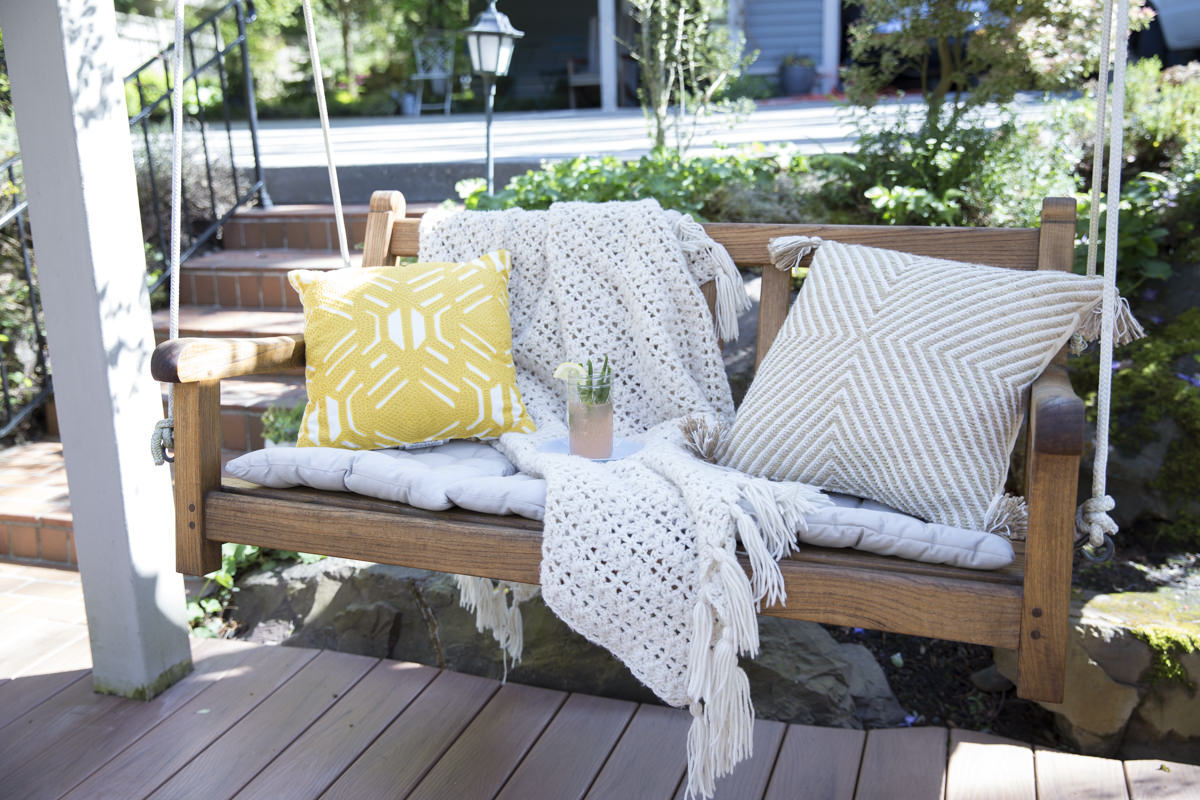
(1149, 294)
(1194, 380)
(909, 719)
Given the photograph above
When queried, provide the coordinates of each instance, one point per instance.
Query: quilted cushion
(474, 476)
(406, 355)
(420, 478)
(903, 379)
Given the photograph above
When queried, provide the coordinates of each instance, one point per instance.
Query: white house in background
(595, 35)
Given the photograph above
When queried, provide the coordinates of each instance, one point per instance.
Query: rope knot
(1092, 520)
(162, 440)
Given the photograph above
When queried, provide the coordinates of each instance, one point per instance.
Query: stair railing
(24, 373)
(208, 93)
(25, 381)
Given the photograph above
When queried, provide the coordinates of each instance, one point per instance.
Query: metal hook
(1105, 554)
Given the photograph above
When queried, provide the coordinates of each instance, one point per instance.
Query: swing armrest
(193, 360)
(1055, 414)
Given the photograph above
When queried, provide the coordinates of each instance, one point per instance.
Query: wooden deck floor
(290, 723)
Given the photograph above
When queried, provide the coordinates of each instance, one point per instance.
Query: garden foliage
(688, 61)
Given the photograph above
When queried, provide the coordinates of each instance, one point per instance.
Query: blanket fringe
(777, 511)
(788, 251)
(1007, 516)
(1126, 328)
(731, 293)
(494, 612)
(766, 516)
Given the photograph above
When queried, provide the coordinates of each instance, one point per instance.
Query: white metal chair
(435, 65)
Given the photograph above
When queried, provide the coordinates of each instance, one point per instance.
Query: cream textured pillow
(410, 354)
(903, 379)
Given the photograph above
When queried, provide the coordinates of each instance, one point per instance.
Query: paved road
(812, 126)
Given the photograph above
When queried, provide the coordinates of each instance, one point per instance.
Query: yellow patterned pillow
(409, 354)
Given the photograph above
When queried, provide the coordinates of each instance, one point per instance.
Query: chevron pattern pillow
(406, 355)
(903, 379)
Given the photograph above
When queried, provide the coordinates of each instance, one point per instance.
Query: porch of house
(284, 722)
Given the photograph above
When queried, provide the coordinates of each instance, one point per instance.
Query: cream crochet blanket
(638, 555)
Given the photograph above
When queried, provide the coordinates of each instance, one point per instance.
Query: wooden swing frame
(1024, 606)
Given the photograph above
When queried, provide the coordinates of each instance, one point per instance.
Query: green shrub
(1155, 379)
(206, 613)
(282, 423)
(1160, 198)
(684, 184)
(911, 171)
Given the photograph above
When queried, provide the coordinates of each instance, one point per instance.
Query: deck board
(72, 734)
(19, 695)
(423, 732)
(986, 767)
(280, 722)
(1066, 776)
(569, 755)
(151, 760)
(322, 753)
(233, 760)
(903, 763)
(825, 761)
(492, 746)
(749, 779)
(1152, 779)
(649, 760)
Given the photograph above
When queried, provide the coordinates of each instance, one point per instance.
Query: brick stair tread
(258, 393)
(275, 260)
(212, 321)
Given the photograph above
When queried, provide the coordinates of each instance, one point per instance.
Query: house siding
(778, 27)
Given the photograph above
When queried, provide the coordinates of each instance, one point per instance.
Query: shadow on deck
(282, 722)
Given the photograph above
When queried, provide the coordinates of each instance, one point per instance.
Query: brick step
(214, 321)
(251, 279)
(36, 524)
(301, 227)
(243, 402)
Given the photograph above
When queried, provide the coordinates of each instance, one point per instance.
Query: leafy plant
(206, 613)
(282, 423)
(1157, 380)
(686, 61)
(796, 60)
(684, 184)
(596, 387)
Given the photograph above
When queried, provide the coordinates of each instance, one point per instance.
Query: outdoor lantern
(490, 44)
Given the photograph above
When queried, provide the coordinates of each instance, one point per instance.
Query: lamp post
(490, 44)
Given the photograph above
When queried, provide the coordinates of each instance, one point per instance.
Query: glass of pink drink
(590, 417)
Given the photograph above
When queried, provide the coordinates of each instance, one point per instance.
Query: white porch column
(606, 45)
(78, 163)
(831, 40)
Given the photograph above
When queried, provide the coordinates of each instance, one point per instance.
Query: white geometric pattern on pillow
(903, 378)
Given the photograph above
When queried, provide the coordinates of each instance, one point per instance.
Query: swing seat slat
(1023, 606)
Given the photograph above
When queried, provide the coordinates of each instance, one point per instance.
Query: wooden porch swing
(1024, 606)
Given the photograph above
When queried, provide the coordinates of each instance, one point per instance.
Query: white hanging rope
(1093, 519)
(163, 438)
(1098, 139)
(319, 86)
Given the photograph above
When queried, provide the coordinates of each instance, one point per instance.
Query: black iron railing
(24, 376)
(212, 98)
(218, 86)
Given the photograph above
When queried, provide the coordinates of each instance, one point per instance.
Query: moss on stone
(1166, 646)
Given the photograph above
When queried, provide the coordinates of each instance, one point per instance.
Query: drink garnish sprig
(595, 386)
